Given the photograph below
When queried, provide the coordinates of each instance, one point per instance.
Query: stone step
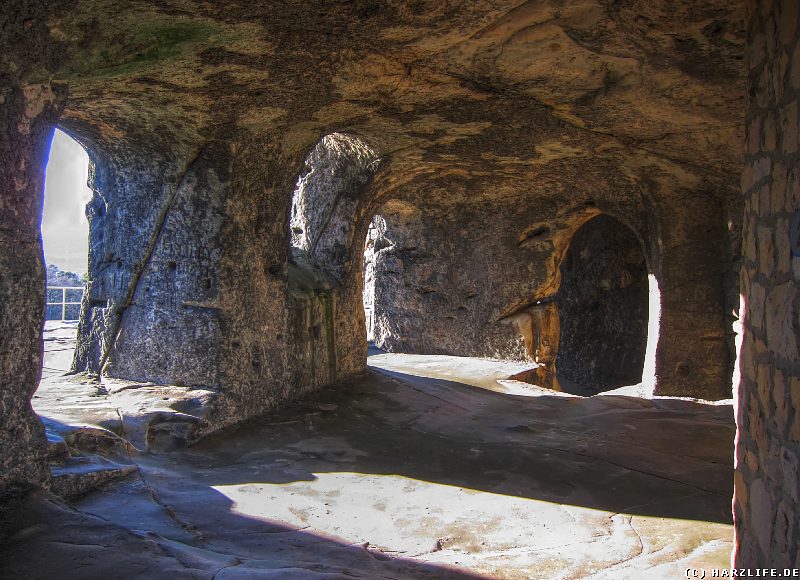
(79, 476)
(57, 449)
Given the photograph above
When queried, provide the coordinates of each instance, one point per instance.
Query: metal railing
(63, 303)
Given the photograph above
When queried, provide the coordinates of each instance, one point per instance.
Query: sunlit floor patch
(425, 468)
(491, 532)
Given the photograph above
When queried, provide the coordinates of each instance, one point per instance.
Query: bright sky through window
(65, 230)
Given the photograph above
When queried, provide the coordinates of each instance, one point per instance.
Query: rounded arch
(603, 304)
(329, 193)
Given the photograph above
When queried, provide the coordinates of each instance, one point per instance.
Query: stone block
(780, 398)
(747, 365)
(757, 51)
(783, 251)
(789, 141)
(752, 461)
(761, 514)
(765, 384)
(756, 424)
(787, 22)
(779, 202)
(765, 200)
(794, 75)
(755, 306)
(791, 477)
(747, 176)
(779, 69)
(770, 132)
(754, 136)
(781, 321)
(762, 167)
(783, 535)
(761, 347)
(794, 432)
(740, 491)
(793, 193)
(750, 248)
(766, 251)
(763, 92)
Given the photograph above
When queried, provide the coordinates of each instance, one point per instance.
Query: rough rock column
(767, 477)
(152, 309)
(546, 331)
(692, 357)
(27, 115)
(255, 373)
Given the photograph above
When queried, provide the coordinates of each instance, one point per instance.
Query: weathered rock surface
(521, 120)
(25, 118)
(528, 114)
(116, 417)
(500, 128)
(768, 397)
(427, 468)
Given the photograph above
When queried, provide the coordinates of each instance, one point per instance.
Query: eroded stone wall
(484, 280)
(192, 281)
(446, 284)
(200, 127)
(324, 271)
(151, 311)
(27, 114)
(767, 485)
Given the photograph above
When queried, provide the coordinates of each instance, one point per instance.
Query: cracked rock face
(501, 128)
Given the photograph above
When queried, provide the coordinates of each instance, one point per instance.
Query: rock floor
(427, 467)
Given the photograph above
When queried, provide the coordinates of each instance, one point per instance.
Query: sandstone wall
(291, 319)
(485, 280)
(693, 257)
(151, 311)
(767, 485)
(446, 284)
(497, 121)
(192, 281)
(26, 117)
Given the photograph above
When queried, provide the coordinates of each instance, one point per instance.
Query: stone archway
(603, 307)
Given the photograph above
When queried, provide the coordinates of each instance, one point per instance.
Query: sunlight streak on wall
(653, 320)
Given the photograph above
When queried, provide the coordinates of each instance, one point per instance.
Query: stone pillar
(151, 309)
(767, 482)
(27, 115)
(692, 355)
(254, 345)
(545, 334)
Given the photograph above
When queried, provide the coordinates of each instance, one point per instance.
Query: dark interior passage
(603, 306)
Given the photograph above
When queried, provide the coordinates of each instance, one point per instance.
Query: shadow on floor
(409, 434)
(665, 458)
(44, 538)
(372, 350)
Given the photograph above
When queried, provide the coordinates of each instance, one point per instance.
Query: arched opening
(603, 307)
(325, 200)
(375, 242)
(379, 280)
(65, 227)
(65, 237)
(324, 269)
(389, 295)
